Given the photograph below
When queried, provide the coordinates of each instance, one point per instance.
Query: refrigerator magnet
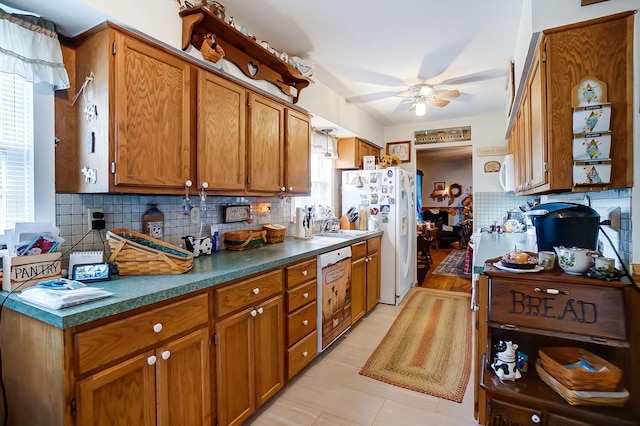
(390, 173)
(392, 200)
(385, 209)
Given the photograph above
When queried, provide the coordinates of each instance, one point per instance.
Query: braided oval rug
(428, 347)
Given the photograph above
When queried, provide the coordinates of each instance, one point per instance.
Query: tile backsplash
(126, 211)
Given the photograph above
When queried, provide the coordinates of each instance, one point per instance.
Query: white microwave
(507, 176)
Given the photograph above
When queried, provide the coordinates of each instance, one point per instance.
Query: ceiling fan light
(421, 108)
(425, 90)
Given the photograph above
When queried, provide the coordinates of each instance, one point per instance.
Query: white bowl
(575, 260)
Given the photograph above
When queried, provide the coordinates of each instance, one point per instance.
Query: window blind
(16, 151)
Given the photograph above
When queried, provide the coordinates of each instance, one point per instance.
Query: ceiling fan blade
(476, 77)
(439, 102)
(413, 107)
(445, 94)
(370, 97)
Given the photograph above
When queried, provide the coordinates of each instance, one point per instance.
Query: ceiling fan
(419, 95)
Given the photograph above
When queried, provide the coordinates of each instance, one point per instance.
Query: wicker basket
(554, 359)
(613, 399)
(244, 239)
(208, 52)
(140, 254)
(275, 233)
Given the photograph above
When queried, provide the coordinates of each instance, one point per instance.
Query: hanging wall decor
(591, 136)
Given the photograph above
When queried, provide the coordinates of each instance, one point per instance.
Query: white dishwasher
(334, 295)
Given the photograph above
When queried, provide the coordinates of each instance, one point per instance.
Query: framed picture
(438, 186)
(402, 150)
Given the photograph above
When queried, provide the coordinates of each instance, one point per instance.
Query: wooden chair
(424, 250)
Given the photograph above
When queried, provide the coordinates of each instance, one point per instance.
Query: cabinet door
(152, 116)
(222, 107)
(265, 145)
(235, 368)
(373, 280)
(358, 289)
(298, 152)
(504, 414)
(538, 123)
(122, 395)
(269, 349)
(183, 381)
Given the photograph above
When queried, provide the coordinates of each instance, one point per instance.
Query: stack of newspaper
(61, 293)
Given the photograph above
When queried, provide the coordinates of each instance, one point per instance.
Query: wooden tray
(614, 399)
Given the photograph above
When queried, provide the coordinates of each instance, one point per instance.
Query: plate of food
(500, 265)
(518, 259)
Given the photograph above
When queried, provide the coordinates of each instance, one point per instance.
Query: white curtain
(29, 47)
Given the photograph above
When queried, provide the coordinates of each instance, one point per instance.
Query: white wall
(485, 131)
(160, 20)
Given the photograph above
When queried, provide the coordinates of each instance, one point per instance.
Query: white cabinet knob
(305, 322)
(254, 313)
(291, 189)
(151, 360)
(305, 354)
(157, 328)
(165, 355)
(260, 310)
(535, 418)
(282, 189)
(205, 185)
(305, 296)
(305, 273)
(256, 290)
(188, 184)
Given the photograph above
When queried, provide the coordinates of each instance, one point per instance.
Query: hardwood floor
(445, 282)
(331, 392)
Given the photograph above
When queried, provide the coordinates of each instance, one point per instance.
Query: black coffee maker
(565, 224)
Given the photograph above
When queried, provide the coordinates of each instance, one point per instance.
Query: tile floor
(331, 392)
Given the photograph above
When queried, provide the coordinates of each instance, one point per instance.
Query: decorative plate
(500, 266)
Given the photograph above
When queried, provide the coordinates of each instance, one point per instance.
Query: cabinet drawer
(301, 323)
(301, 295)
(359, 250)
(301, 354)
(502, 413)
(595, 311)
(301, 272)
(373, 244)
(245, 293)
(106, 343)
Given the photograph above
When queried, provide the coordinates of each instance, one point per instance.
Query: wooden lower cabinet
(365, 277)
(249, 359)
(165, 386)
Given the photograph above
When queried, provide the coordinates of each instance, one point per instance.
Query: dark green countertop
(133, 292)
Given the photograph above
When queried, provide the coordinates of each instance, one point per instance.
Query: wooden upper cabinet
(351, 151)
(221, 146)
(265, 151)
(152, 143)
(538, 123)
(602, 48)
(298, 153)
(140, 137)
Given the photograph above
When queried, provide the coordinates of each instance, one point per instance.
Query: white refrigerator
(389, 197)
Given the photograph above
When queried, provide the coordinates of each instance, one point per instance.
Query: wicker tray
(140, 254)
(244, 239)
(614, 399)
(554, 360)
(275, 233)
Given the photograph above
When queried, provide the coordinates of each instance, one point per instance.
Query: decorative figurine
(505, 364)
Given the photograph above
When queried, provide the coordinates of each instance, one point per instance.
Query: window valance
(29, 47)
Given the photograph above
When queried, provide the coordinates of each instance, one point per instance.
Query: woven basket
(613, 399)
(245, 239)
(140, 254)
(275, 233)
(209, 53)
(554, 360)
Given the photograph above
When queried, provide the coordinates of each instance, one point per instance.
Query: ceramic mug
(547, 259)
(605, 264)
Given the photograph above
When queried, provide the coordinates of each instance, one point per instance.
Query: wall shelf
(253, 60)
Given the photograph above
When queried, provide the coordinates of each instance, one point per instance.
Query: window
(321, 165)
(16, 151)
